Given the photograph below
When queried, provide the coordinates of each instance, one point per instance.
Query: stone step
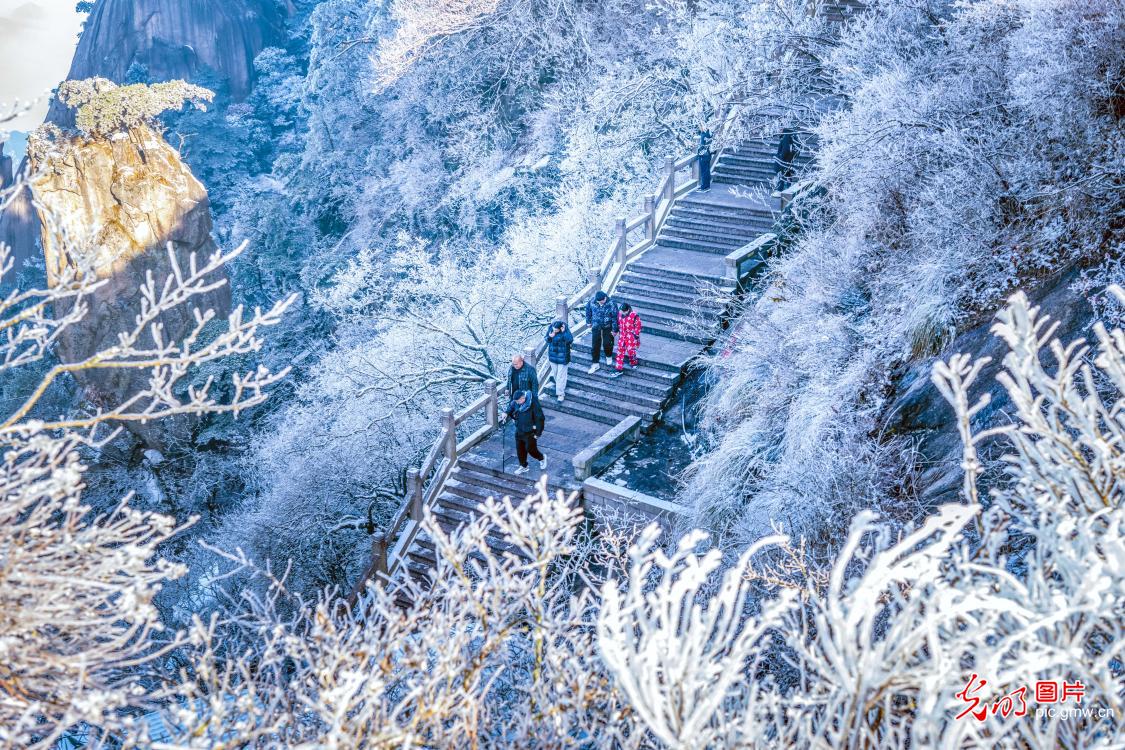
(734, 177)
(761, 159)
(657, 390)
(643, 298)
(452, 515)
(634, 389)
(763, 170)
(584, 348)
(698, 246)
(617, 408)
(733, 241)
(735, 226)
(688, 288)
(744, 231)
(658, 378)
(468, 491)
(712, 213)
(673, 332)
(685, 321)
(700, 279)
(570, 406)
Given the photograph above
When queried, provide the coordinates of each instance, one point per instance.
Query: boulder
(120, 200)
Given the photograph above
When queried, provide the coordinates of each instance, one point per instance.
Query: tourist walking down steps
(527, 415)
(559, 340)
(601, 316)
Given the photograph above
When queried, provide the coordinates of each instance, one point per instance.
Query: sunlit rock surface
(120, 201)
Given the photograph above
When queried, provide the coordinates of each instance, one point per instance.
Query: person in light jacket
(559, 340)
(527, 415)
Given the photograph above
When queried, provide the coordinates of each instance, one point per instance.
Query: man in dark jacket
(559, 339)
(703, 154)
(601, 316)
(783, 162)
(523, 377)
(527, 415)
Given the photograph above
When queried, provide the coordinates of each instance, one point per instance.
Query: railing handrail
(390, 546)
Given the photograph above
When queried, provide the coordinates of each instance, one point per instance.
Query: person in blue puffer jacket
(559, 340)
(601, 316)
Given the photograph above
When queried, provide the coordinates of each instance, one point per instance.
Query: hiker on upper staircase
(783, 162)
(523, 377)
(628, 337)
(526, 413)
(559, 340)
(703, 154)
(601, 316)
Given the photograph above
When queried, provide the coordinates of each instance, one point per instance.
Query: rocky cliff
(921, 413)
(19, 225)
(175, 39)
(120, 200)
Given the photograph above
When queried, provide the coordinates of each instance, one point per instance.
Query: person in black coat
(786, 153)
(704, 156)
(527, 415)
(523, 377)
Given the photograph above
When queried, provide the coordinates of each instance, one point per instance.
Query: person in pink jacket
(628, 337)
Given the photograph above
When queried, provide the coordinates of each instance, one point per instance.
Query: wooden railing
(633, 236)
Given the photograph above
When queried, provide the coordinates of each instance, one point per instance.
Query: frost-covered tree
(952, 175)
(104, 107)
(79, 622)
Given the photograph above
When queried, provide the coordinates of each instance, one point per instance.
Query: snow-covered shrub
(977, 148)
(499, 654)
(982, 601)
(78, 623)
(939, 635)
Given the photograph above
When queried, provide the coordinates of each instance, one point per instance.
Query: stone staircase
(754, 162)
(679, 289)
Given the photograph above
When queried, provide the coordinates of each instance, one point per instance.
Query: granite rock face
(19, 226)
(175, 39)
(121, 200)
(919, 412)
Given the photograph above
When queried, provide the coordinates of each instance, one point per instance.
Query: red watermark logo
(1015, 703)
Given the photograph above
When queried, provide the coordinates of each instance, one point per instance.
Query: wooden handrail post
(449, 426)
(492, 410)
(529, 356)
(669, 178)
(695, 169)
(562, 312)
(414, 493)
(379, 552)
(650, 213)
(622, 242)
